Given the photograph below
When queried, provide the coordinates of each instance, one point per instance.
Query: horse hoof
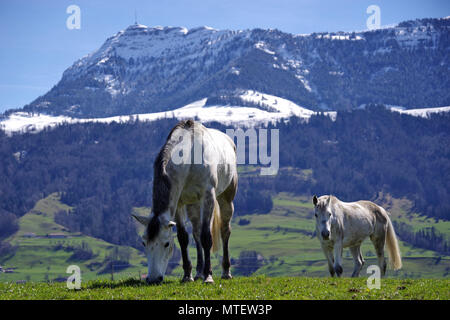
(198, 277)
(209, 279)
(187, 279)
(227, 276)
(338, 270)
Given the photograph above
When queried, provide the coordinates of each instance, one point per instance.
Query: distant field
(45, 259)
(260, 287)
(284, 238)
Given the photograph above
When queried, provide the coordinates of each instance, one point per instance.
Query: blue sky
(36, 46)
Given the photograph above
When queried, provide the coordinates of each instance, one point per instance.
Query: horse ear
(315, 200)
(141, 219)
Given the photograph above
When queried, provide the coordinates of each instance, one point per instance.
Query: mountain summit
(153, 69)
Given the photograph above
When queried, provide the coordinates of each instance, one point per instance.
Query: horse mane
(330, 199)
(161, 181)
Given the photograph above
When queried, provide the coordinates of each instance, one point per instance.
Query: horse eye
(143, 243)
(166, 245)
(315, 215)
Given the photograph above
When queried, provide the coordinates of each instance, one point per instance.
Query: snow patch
(235, 71)
(283, 106)
(422, 112)
(304, 82)
(272, 110)
(261, 45)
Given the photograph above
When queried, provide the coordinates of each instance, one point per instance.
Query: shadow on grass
(103, 284)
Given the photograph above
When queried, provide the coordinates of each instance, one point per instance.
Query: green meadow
(45, 259)
(284, 239)
(255, 288)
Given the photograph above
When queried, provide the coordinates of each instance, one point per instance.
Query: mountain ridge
(144, 70)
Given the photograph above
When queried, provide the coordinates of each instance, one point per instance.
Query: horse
(347, 224)
(195, 176)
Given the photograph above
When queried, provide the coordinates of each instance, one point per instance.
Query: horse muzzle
(325, 235)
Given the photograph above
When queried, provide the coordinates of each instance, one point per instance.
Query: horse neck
(337, 208)
(166, 190)
(161, 183)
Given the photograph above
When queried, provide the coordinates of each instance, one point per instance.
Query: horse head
(158, 245)
(323, 215)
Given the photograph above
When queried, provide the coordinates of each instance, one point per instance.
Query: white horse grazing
(346, 224)
(195, 175)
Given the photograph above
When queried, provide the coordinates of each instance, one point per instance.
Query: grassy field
(255, 288)
(284, 238)
(45, 259)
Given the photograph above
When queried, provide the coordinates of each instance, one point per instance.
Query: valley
(284, 239)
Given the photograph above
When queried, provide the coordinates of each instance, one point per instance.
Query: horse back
(224, 150)
(215, 167)
(380, 214)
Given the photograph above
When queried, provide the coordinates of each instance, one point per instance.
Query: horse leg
(361, 258)
(194, 216)
(205, 235)
(338, 258)
(183, 239)
(357, 260)
(200, 263)
(330, 259)
(226, 212)
(378, 242)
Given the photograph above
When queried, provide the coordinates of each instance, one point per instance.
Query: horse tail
(395, 260)
(216, 227)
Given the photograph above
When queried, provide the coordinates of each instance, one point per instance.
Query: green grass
(286, 200)
(260, 287)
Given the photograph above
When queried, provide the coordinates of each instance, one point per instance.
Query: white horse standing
(347, 224)
(195, 175)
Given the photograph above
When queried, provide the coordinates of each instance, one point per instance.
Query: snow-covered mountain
(143, 70)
